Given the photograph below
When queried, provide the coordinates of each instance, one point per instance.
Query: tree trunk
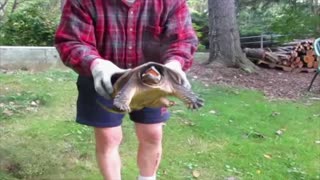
(316, 12)
(2, 8)
(14, 6)
(3, 4)
(224, 36)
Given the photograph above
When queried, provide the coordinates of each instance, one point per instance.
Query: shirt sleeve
(179, 37)
(75, 39)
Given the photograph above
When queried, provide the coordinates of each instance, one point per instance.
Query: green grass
(234, 135)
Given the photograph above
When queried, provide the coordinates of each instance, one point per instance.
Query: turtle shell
(134, 91)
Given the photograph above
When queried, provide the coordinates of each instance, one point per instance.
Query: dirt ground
(274, 83)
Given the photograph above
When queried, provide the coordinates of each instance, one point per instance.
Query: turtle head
(151, 76)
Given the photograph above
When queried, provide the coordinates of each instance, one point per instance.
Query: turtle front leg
(123, 98)
(188, 97)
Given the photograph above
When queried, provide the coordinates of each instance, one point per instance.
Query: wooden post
(261, 41)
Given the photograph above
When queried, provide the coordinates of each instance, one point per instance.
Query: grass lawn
(237, 134)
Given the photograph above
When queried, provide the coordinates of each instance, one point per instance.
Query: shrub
(29, 26)
(201, 25)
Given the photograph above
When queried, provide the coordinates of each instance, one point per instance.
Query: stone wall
(27, 57)
(20, 57)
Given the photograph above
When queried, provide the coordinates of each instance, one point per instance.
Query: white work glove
(176, 66)
(102, 71)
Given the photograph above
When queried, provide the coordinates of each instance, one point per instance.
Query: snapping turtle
(148, 85)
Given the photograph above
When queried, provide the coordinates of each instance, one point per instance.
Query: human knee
(113, 140)
(151, 137)
(108, 139)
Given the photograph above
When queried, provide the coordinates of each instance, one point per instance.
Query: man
(98, 38)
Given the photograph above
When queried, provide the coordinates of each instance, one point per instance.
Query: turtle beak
(150, 79)
(151, 76)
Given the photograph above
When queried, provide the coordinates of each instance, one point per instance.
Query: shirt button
(129, 47)
(130, 29)
(131, 12)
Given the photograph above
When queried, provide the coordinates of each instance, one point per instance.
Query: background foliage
(292, 19)
(30, 23)
(33, 22)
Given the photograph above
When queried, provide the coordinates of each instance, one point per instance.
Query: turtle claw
(198, 103)
(121, 107)
(172, 103)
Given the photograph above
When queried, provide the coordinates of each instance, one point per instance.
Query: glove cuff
(96, 62)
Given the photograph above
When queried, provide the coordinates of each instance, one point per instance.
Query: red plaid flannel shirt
(126, 34)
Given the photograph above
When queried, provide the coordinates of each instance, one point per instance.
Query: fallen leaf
(268, 156)
(314, 98)
(275, 113)
(219, 78)
(196, 173)
(177, 111)
(33, 104)
(7, 112)
(164, 172)
(49, 79)
(212, 112)
(279, 132)
(254, 134)
(188, 123)
(32, 109)
(258, 171)
(317, 142)
(232, 178)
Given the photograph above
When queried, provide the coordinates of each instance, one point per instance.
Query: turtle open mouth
(151, 76)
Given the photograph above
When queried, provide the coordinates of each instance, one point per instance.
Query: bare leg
(107, 151)
(150, 148)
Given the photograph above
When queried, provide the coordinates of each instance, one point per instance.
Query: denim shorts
(91, 109)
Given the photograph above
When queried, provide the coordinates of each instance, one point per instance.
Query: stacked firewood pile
(297, 56)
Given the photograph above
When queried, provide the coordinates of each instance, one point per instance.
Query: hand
(176, 66)
(102, 71)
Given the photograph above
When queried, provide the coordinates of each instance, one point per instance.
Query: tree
(30, 25)
(198, 5)
(3, 4)
(224, 36)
